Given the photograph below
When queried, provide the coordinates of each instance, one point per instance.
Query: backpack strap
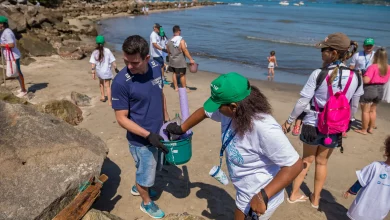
(348, 83)
(321, 77)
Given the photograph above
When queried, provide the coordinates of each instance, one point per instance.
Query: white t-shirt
(155, 38)
(361, 60)
(8, 37)
(254, 159)
(103, 69)
(322, 95)
(373, 199)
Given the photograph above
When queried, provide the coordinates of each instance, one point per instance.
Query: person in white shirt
(318, 147)
(8, 39)
(260, 159)
(102, 60)
(156, 50)
(363, 59)
(373, 189)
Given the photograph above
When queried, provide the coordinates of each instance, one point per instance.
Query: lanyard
(226, 143)
(366, 59)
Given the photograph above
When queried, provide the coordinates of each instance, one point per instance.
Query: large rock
(70, 53)
(80, 99)
(94, 214)
(63, 109)
(35, 46)
(43, 162)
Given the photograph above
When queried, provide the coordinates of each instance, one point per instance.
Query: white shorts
(271, 65)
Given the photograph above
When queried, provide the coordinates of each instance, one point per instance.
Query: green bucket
(180, 151)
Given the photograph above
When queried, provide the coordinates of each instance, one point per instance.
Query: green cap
(162, 33)
(369, 42)
(226, 89)
(100, 39)
(3, 19)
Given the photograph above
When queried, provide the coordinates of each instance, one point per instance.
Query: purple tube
(185, 111)
(162, 133)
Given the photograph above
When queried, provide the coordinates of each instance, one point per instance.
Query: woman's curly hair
(387, 146)
(249, 109)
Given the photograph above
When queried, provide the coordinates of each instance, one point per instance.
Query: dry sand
(189, 188)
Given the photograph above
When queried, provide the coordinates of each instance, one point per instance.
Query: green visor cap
(228, 88)
(3, 19)
(162, 33)
(100, 39)
(369, 42)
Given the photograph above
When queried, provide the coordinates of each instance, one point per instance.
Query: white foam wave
(235, 4)
(280, 41)
(258, 5)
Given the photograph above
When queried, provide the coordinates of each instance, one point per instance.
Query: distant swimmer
(271, 66)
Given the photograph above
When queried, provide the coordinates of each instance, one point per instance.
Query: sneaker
(296, 130)
(134, 192)
(21, 94)
(166, 82)
(152, 210)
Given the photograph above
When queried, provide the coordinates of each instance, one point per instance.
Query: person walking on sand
(271, 66)
(156, 51)
(163, 45)
(140, 108)
(363, 59)
(260, 159)
(102, 60)
(376, 76)
(147, 10)
(373, 189)
(335, 78)
(177, 52)
(8, 40)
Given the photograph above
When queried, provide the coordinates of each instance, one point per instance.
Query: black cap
(157, 25)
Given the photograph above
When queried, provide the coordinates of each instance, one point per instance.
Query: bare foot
(314, 202)
(176, 90)
(361, 131)
(370, 130)
(297, 198)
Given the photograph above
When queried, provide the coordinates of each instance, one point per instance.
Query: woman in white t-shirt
(7, 38)
(102, 61)
(317, 146)
(163, 45)
(260, 159)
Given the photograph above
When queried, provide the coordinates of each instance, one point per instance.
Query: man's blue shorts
(147, 160)
(160, 60)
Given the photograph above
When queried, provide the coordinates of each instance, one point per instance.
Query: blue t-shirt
(141, 95)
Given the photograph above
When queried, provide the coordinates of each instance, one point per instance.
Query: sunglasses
(326, 49)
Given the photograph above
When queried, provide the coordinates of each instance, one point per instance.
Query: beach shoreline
(189, 188)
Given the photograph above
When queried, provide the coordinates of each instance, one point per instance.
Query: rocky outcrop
(94, 214)
(43, 162)
(63, 109)
(34, 46)
(80, 99)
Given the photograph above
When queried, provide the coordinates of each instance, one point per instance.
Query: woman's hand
(192, 62)
(257, 204)
(93, 74)
(286, 127)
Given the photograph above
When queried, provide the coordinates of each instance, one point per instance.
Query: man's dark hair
(136, 44)
(176, 28)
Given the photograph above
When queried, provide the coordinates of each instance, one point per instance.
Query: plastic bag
(12, 69)
(386, 92)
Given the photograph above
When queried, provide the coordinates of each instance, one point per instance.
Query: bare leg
(144, 193)
(269, 74)
(298, 122)
(101, 84)
(183, 80)
(238, 215)
(365, 118)
(273, 74)
(309, 154)
(163, 72)
(372, 123)
(323, 154)
(174, 79)
(107, 84)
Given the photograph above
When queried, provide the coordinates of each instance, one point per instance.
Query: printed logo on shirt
(128, 77)
(383, 176)
(214, 87)
(154, 63)
(157, 81)
(114, 99)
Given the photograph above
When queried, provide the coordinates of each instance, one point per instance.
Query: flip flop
(103, 100)
(360, 132)
(314, 206)
(301, 199)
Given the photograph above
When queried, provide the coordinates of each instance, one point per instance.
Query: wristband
(265, 198)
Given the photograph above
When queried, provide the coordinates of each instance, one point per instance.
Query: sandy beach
(189, 188)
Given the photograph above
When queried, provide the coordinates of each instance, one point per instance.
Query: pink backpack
(334, 119)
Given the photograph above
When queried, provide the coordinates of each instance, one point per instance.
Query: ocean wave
(286, 21)
(258, 5)
(280, 41)
(235, 4)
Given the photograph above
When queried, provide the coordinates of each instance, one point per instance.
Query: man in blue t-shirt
(139, 104)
